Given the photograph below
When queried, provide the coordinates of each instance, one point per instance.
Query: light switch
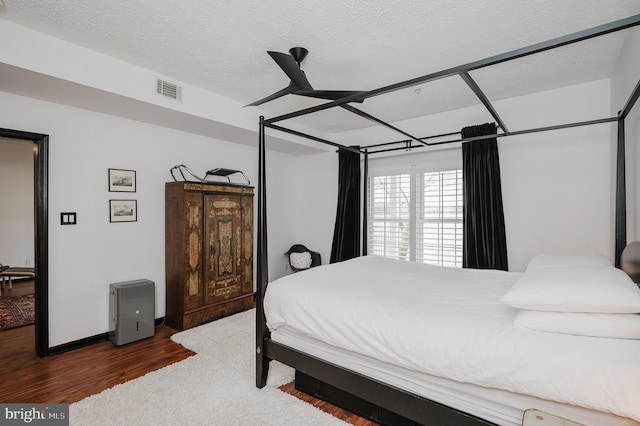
(68, 218)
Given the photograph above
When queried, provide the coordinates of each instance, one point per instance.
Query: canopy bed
(439, 369)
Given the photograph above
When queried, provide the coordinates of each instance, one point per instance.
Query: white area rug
(214, 387)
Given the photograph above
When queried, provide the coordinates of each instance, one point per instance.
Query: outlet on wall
(27, 262)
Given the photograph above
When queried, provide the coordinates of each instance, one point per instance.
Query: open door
(41, 245)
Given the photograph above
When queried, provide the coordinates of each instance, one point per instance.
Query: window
(417, 217)
(389, 219)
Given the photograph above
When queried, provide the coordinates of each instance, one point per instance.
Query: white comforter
(450, 323)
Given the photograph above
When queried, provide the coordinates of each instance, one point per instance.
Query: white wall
(282, 216)
(556, 185)
(625, 78)
(316, 201)
(85, 258)
(16, 210)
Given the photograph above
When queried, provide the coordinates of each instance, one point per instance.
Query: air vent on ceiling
(167, 89)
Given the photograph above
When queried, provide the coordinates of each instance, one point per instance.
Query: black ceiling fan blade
(333, 95)
(289, 89)
(291, 68)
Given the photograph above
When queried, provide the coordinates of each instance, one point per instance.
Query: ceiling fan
(299, 84)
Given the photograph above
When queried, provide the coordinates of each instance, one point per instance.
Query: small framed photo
(122, 180)
(123, 210)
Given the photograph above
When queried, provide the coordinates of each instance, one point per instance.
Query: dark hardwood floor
(74, 375)
(77, 374)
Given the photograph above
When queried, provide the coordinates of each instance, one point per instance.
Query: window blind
(417, 216)
(389, 216)
(439, 218)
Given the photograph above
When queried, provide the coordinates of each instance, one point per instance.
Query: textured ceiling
(221, 45)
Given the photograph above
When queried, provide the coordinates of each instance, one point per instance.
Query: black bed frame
(356, 392)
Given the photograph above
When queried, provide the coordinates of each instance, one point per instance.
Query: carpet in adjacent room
(17, 312)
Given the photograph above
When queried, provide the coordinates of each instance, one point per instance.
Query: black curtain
(484, 239)
(346, 234)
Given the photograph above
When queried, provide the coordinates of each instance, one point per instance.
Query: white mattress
(495, 405)
(449, 323)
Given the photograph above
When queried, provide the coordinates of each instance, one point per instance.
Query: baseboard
(88, 341)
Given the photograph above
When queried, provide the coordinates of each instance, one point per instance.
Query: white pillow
(575, 289)
(554, 260)
(300, 260)
(618, 326)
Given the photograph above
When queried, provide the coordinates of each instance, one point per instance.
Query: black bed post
(365, 179)
(621, 192)
(262, 332)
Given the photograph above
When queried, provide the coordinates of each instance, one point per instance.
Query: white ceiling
(221, 45)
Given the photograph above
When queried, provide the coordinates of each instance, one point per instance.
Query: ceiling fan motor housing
(298, 53)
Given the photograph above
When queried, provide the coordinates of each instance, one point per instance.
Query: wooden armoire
(209, 251)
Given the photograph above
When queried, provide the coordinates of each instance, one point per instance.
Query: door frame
(41, 226)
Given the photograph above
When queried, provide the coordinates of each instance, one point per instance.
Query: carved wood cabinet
(209, 252)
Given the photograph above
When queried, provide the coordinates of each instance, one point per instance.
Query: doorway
(41, 244)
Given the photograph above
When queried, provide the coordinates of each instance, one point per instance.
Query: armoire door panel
(223, 227)
(247, 244)
(193, 286)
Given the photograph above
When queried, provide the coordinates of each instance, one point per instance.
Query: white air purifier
(132, 311)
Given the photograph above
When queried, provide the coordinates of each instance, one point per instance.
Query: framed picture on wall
(122, 180)
(123, 210)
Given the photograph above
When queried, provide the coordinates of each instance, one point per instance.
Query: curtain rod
(408, 141)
